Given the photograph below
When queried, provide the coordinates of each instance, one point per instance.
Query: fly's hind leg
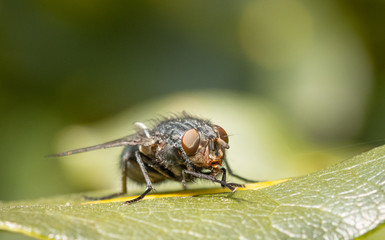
(125, 157)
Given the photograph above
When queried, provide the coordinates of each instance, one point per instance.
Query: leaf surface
(343, 201)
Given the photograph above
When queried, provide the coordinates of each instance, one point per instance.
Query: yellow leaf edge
(191, 193)
(17, 228)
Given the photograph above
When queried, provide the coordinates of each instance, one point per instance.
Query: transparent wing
(134, 139)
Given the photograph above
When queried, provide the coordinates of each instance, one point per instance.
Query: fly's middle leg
(149, 186)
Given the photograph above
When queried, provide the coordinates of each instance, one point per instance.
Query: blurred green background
(299, 85)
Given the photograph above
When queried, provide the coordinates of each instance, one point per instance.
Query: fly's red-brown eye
(190, 141)
(222, 133)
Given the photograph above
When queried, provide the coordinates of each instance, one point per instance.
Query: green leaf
(344, 201)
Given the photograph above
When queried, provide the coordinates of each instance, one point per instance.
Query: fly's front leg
(184, 180)
(230, 186)
(149, 186)
(223, 176)
(236, 175)
(125, 158)
(224, 179)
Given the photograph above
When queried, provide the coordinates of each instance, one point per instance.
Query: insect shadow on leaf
(180, 148)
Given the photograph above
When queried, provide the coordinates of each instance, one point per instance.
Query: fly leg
(184, 180)
(149, 186)
(224, 179)
(231, 186)
(236, 175)
(125, 158)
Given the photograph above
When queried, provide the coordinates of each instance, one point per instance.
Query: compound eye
(222, 133)
(190, 141)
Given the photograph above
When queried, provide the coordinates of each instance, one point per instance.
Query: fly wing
(134, 139)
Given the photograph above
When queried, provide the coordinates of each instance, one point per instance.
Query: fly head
(205, 147)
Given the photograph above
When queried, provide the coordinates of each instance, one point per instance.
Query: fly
(181, 148)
